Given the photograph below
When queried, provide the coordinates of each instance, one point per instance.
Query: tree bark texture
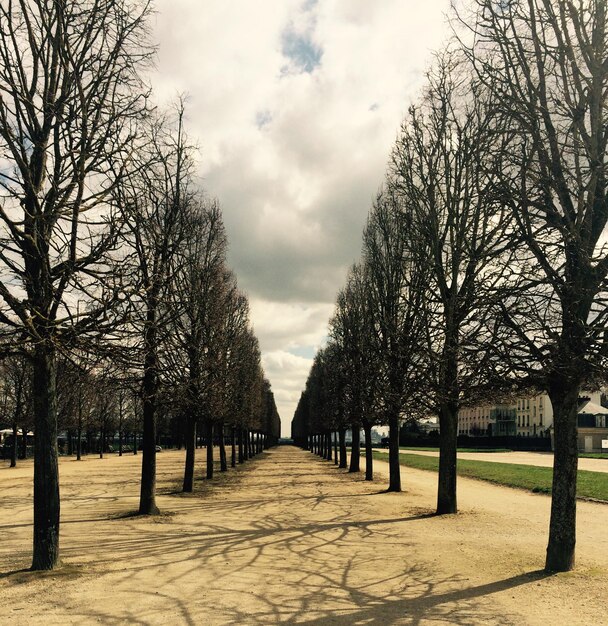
(190, 454)
(446, 483)
(223, 461)
(14, 445)
(342, 445)
(355, 451)
(241, 446)
(209, 437)
(147, 499)
(449, 393)
(46, 470)
(394, 482)
(369, 459)
(335, 436)
(562, 527)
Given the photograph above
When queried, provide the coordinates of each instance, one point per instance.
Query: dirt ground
(540, 459)
(288, 538)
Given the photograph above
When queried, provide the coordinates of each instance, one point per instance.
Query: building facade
(532, 416)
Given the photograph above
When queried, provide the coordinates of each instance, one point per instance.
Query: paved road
(540, 459)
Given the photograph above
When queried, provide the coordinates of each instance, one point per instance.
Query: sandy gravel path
(288, 538)
(540, 459)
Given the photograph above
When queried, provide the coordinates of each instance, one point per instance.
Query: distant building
(592, 427)
(532, 416)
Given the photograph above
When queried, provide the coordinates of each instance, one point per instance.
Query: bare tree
(545, 63)
(444, 168)
(68, 90)
(196, 307)
(16, 398)
(156, 202)
(353, 331)
(397, 287)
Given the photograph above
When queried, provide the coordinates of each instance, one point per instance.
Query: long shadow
(423, 606)
(319, 559)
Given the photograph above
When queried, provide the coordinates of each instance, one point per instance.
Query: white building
(528, 416)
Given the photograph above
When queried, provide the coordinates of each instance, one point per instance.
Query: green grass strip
(459, 449)
(536, 479)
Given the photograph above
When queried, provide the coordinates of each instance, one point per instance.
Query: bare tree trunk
(223, 463)
(147, 502)
(46, 470)
(135, 443)
(562, 528)
(369, 459)
(448, 422)
(233, 447)
(79, 439)
(209, 435)
(100, 443)
(446, 484)
(190, 454)
(241, 446)
(342, 440)
(147, 499)
(355, 450)
(24, 443)
(394, 468)
(14, 446)
(335, 448)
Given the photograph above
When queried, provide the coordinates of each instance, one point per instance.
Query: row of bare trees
(485, 261)
(113, 275)
(90, 408)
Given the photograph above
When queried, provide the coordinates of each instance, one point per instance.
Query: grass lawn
(459, 449)
(593, 455)
(536, 479)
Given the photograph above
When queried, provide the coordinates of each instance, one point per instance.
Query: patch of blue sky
(303, 53)
(307, 352)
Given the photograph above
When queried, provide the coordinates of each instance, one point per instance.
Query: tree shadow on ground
(274, 556)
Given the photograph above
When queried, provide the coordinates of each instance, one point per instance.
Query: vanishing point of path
(289, 538)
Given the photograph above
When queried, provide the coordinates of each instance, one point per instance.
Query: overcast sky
(295, 105)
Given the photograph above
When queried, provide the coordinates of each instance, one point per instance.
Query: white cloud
(295, 105)
(292, 371)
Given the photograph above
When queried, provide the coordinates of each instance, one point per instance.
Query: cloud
(290, 326)
(292, 371)
(297, 42)
(295, 106)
